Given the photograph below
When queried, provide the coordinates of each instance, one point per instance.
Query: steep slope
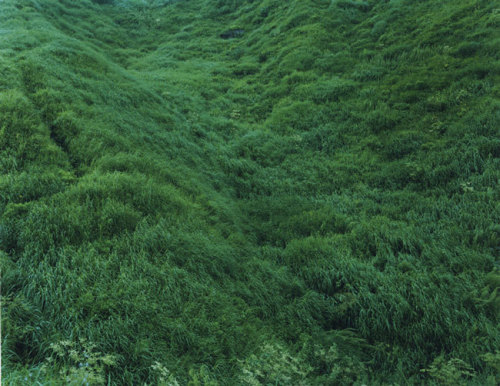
(246, 192)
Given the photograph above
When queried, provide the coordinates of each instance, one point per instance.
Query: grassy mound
(250, 192)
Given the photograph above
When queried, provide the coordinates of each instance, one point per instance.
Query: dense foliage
(250, 192)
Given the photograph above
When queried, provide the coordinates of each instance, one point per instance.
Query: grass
(312, 201)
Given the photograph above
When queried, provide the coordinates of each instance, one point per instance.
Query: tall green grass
(313, 201)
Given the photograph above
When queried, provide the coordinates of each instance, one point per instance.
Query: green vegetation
(250, 192)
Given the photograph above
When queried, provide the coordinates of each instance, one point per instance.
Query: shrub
(452, 372)
(274, 365)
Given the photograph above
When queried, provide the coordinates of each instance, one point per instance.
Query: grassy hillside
(250, 192)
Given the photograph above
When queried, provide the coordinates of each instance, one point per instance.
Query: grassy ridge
(313, 202)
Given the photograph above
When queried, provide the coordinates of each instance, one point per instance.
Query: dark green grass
(314, 201)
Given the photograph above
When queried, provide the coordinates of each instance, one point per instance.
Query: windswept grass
(311, 200)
